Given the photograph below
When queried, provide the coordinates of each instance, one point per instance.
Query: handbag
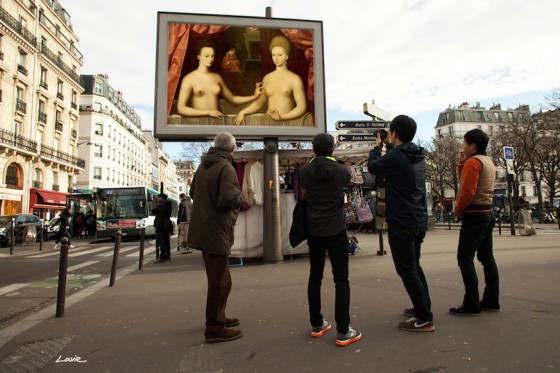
(350, 214)
(298, 230)
(380, 208)
(364, 214)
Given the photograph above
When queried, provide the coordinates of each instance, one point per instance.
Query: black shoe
(161, 260)
(409, 312)
(489, 306)
(461, 310)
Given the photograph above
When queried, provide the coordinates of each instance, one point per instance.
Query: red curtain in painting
(303, 39)
(179, 37)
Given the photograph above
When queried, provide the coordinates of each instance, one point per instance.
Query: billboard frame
(171, 126)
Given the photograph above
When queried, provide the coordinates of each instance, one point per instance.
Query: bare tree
(442, 156)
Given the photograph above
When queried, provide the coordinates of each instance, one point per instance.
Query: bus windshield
(123, 203)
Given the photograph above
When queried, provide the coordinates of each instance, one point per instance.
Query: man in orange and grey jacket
(476, 173)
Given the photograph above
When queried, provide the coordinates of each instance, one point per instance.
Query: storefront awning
(47, 207)
(56, 198)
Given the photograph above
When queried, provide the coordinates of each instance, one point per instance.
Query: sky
(414, 57)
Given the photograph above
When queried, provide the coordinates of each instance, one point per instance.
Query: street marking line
(90, 251)
(120, 251)
(147, 250)
(81, 265)
(10, 288)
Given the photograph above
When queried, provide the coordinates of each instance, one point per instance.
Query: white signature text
(74, 359)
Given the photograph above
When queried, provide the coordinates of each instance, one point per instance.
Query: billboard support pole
(272, 242)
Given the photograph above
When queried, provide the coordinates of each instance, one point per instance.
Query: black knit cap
(323, 143)
(162, 195)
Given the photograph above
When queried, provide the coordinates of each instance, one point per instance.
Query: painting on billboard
(253, 77)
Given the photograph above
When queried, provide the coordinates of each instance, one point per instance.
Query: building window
(43, 81)
(450, 129)
(37, 178)
(108, 173)
(523, 191)
(60, 89)
(98, 87)
(97, 173)
(14, 176)
(55, 178)
(98, 152)
(99, 129)
(22, 59)
(490, 131)
(74, 102)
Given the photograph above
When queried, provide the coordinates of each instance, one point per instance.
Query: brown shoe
(231, 322)
(223, 335)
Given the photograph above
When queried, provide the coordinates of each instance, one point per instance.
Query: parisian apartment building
(40, 86)
(62, 132)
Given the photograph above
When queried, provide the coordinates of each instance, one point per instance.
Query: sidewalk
(153, 320)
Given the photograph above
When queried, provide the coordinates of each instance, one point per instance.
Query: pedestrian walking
(183, 217)
(164, 227)
(63, 224)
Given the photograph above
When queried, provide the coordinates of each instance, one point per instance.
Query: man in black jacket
(406, 214)
(163, 227)
(322, 184)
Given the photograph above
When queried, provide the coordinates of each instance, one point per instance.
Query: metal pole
(381, 250)
(115, 257)
(62, 271)
(272, 242)
(510, 201)
(449, 219)
(142, 237)
(500, 221)
(42, 238)
(12, 236)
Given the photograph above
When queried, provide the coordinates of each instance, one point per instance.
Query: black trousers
(337, 248)
(476, 238)
(405, 245)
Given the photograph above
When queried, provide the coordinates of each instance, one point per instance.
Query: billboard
(254, 77)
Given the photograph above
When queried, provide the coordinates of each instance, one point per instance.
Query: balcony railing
(37, 184)
(21, 106)
(44, 85)
(58, 62)
(74, 106)
(60, 96)
(56, 187)
(17, 141)
(17, 27)
(47, 151)
(74, 134)
(42, 117)
(22, 69)
(59, 126)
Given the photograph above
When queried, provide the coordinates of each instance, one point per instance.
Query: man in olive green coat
(217, 198)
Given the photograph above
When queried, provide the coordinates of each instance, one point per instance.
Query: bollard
(12, 236)
(142, 237)
(62, 271)
(381, 250)
(115, 257)
(500, 223)
(42, 234)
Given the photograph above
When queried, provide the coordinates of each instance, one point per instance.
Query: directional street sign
(356, 138)
(361, 124)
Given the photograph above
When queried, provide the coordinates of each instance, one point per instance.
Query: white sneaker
(71, 246)
(55, 246)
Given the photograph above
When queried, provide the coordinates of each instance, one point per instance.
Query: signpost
(509, 155)
(361, 124)
(357, 138)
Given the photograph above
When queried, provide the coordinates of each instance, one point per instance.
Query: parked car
(22, 232)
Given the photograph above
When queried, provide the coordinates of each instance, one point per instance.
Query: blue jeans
(405, 245)
(476, 238)
(337, 248)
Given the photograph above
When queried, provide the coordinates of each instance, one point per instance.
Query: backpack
(356, 177)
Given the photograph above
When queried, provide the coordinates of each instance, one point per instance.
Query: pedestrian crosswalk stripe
(81, 265)
(90, 251)
(121, 250)
(10, 288)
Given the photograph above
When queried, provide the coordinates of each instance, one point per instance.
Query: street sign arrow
(361, 124)
(356, 138)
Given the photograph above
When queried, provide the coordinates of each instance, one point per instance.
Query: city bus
(128, 209)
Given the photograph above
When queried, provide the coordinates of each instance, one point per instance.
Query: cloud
(410, 56)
